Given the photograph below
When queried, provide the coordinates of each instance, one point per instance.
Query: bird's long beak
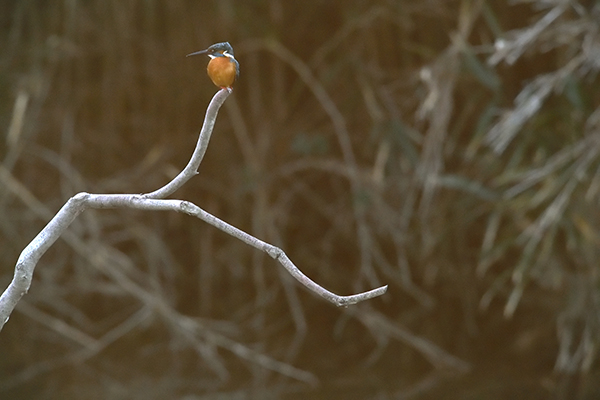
(198, 52)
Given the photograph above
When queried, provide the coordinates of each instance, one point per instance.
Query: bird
(223, 69)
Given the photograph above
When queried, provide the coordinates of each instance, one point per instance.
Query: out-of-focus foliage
(450, 149)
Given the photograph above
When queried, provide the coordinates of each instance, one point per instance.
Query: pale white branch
(155, 201)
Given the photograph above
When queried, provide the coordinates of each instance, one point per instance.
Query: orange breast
(221, 71)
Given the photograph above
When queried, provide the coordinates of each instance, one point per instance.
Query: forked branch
(155, 201)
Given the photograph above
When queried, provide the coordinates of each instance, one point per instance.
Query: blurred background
(450, 149)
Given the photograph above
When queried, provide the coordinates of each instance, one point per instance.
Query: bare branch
(191, 168)
(154, 201)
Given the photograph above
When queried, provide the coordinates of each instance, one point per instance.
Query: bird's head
(223, 49)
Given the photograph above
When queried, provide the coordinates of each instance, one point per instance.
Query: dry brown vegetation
(450, 149)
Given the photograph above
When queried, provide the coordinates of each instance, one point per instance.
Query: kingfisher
(223, 69)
